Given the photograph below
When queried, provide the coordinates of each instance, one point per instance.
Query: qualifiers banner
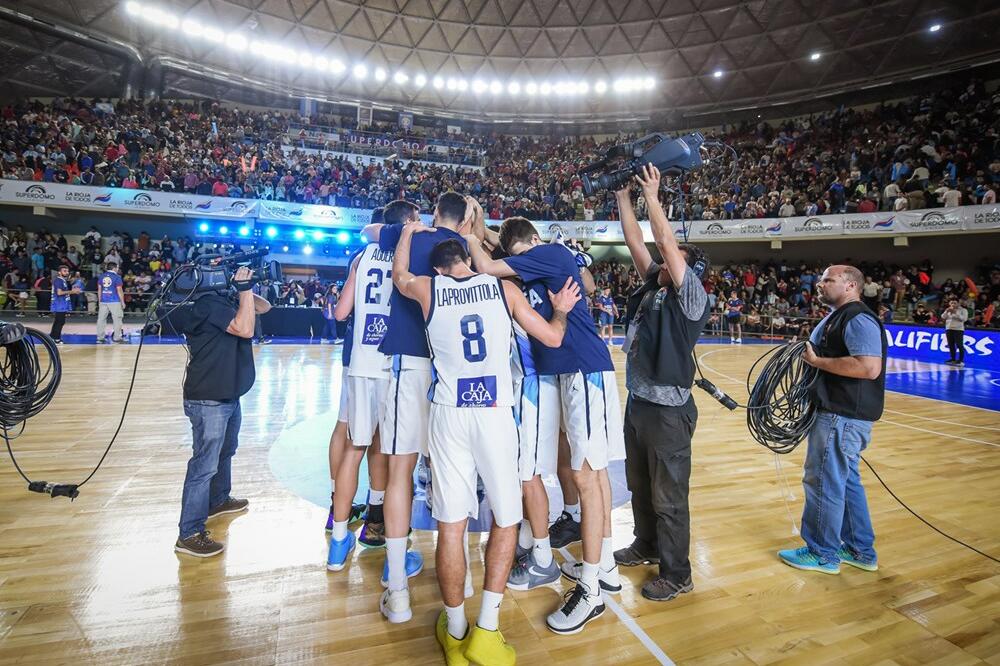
(926, 343)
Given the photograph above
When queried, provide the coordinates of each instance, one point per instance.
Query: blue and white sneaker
(414, 565)
(340, 551)
(805, 559)
(527, 574)
(849, 556)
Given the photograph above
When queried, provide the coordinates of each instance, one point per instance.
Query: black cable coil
(780, 411)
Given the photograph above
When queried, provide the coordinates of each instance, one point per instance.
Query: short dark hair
(451, 206)
(378, 216)
(398, 212)
(516, 230)
(448, 253)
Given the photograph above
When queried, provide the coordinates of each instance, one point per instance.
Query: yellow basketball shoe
(454, 648)
(488, 648)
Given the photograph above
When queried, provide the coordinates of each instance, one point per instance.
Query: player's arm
(412, 286)
(342, 310)
(371, 232)
(484, 263)
(633, 234)
(550, 333)
(121, 294)
(260, 304)
(243, 323)
(587, 279)
(663, 235)
(63, 292)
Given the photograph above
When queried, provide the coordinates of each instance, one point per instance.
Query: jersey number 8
(473, 343)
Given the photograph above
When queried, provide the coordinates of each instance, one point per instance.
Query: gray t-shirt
(692, 300)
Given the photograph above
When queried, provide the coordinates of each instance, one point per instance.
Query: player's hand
(567, 296)
(625, 193)
(650, 181)
(475, 220)
(809, 354)
(241, 280)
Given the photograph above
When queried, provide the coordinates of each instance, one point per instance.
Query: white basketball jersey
(469, 333)
(372, 287)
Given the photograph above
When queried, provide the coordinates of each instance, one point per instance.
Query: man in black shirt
(220, 369)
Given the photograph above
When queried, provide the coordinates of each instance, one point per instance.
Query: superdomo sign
(925, 343)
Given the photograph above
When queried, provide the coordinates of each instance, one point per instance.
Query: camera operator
(670, 311)
(220, 369)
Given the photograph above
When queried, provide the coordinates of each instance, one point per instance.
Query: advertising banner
(927, 343)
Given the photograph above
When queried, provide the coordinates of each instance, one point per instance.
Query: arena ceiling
(704, 55)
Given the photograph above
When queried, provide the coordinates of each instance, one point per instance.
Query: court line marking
(628, 620)
(928, 418)
(902, 425)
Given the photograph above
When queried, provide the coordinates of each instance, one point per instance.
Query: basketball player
(591, 417)
(472, 428)
(366, 295)
(404, 425)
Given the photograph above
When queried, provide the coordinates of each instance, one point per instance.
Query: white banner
(116, 200)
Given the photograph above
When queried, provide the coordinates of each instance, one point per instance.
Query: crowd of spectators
(778, 297)
(929, 151)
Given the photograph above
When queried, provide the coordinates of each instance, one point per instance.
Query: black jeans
(658, 471)
(956, 343)
(57, 325)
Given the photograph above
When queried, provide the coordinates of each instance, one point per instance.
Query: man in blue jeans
(848, 348)
(220, 369)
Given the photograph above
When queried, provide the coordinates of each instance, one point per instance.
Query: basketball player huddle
(492, 369)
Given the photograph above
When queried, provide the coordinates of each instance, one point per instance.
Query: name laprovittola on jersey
(372, 289)
(469, 331)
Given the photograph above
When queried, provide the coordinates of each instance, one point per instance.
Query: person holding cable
(220, 369)
(848, 348)
(670, 310)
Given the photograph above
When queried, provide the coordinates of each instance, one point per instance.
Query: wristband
(243, 285)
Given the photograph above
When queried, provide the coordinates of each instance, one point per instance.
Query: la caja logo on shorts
(477, 391)
(375, 327)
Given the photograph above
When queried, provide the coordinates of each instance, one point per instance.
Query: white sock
(542, 552)
(524, 538)
(607, 555)
(333, 486)
(489, 612)
(589, 578)
(339, 530)
(574, 511)
(395, 554)
(458, 625)
(376, 497)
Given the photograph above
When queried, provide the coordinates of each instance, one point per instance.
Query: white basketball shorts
(366, 405)
(466, 442)
(592, 418)
(407, 409)
(537, 412)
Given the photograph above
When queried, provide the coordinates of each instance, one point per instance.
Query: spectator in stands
(954, 318)
(607, 313)
(870, 293)
(329, 300)
(921, 315)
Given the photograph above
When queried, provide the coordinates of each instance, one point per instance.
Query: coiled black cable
(780, 412)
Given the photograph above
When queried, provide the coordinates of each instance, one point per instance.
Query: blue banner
(927, 343)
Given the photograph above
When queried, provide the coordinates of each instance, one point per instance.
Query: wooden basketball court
(96, 581)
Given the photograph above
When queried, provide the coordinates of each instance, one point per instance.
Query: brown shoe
(199, 545)
(661, 589)
(231, 505)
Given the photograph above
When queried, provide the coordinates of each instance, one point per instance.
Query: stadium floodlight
(452, 83)
(496, 87)
(463, 85)
(214, 35)
(192, 28)
(284, 248)
(479, 86)
(236, 41)
(400, 77)
(514, 88)
(600, 87)
(320, 63)
(168, 20)
(420, 80)
(343, 237)
(814, 56)
(717, 73)
(133, 8)
(531, 88)
(360, 71)
(438, 82)
(563, 88)
(337, 66)
(244, 231)
(317, 236)
(935, 27)
(306, 59)
(649, 83)
(583, 87)
(223, 230)
(272, 232)
(307, 249)
(545, 88)
(380, 74)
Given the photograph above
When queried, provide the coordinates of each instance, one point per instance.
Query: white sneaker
(739, 341)
(395, 605)
(610, 581)
(732, 341)
(579, 609)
